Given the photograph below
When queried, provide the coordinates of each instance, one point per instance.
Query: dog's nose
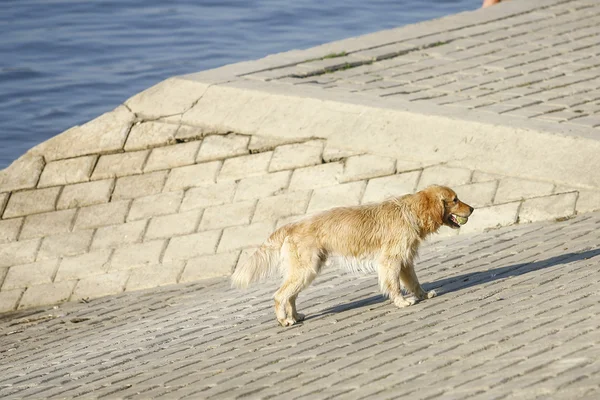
(471, 209)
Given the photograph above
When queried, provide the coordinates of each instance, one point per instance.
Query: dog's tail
(263, 263)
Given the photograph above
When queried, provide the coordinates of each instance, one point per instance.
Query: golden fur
(382, 237)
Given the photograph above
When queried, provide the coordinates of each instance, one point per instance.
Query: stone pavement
(516, 317)
(182, 181)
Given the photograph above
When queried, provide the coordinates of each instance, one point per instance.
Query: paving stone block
(293, 218)
(477, 194)
(227, 215)
(31, 202)
(173, 156)
(9, 229)
(208, 195)
(39, 225)
(347, 194)
(492, 216)
(588, 200)
(192, 176)
(9, 299)
(22, 276)
(49, 293)
(239, 237)
(260, 144)
(188, 132)
(158, 204)
(67, 244)
(137, 255)
(154, 276)
(510, 189)
(209, 266)
(407, 166)
(442, 175)
(3, 201)
(331, 154)
(15, 253)
(68, 171)
(218, 147)
(150, 134)
(380, 189)
(262, 186)
(84, 265)
(130, 187)
(298, 155)
(101, 215)
(105, 134)
(245, 166)
(118, 235)
(315, 177)
(479, 176)
(121, 164)
(85, 194)
(190, 246)
(367, 166)
(273, 208)
(173, 225)
(100, 285)
(548, 207)
(23, 173)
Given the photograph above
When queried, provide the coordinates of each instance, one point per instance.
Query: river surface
(64, 62)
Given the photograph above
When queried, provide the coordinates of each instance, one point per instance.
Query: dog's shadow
(464, 281)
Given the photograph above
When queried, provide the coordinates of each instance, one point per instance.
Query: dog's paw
(289, 321)
(404, 302)
(431, 294)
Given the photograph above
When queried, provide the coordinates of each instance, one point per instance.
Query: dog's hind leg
(389, 281)
(303, 265)
(411, 282)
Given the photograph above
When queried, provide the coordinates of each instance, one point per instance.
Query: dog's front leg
(389, 282)
(411, 282)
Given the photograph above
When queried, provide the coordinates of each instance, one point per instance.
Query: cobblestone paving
(516, 317)
(540, 64)
(176, 207)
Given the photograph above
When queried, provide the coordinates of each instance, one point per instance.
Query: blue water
(64, 62)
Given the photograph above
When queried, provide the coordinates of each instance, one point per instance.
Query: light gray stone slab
(167, 226)
(168, 157)
(101, 215)
(192, 176)
(64, 172)
(169, 97)
(150, 134)
(190, 246)
(15, 253)
(121, 164)
(40, 225)
(66, 244)
(152, 276)
(23, 173)
(105, 134)
(137, 255)
(225, 215)
(130, 187)
(85, 194)
(9, 229)
(209, 266)
(218, 147)
(23, 276)
(208, 195)
(50, 293)
(31, 202)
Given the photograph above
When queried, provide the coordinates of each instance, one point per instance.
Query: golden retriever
(382, 237)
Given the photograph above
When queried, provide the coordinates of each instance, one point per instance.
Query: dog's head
(454, 212)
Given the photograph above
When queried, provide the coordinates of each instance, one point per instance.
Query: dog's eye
(455, 200)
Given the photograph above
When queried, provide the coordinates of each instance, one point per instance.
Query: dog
(382, 237)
